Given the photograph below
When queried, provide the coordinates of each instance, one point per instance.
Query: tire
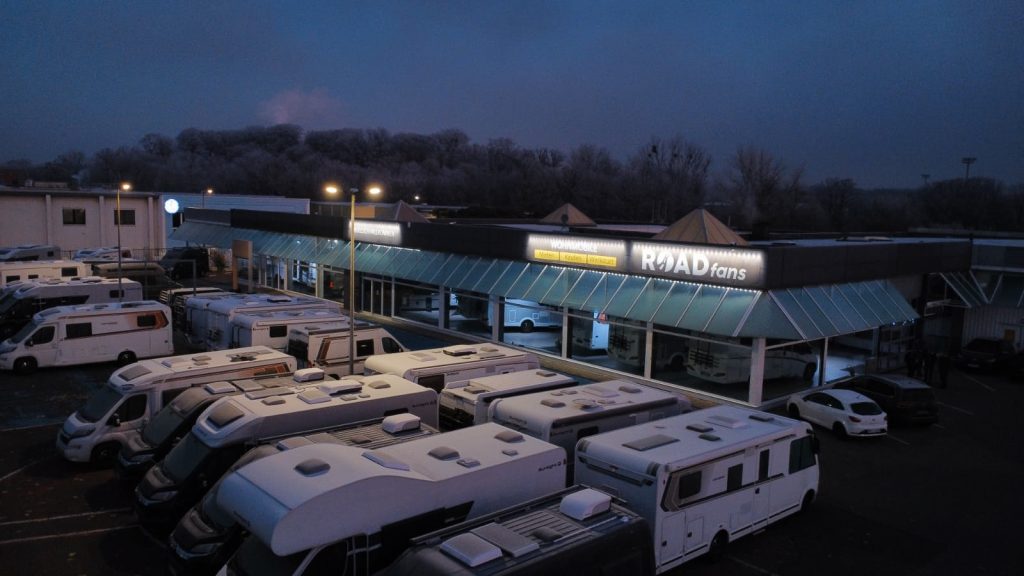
(25, 365)
(717, 546)
(104, 454)
(840, 430)
(793, 411)
(809, 371)
(526, 326)
(805, 504)
(125, 358)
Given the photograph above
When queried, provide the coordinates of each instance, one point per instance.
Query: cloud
(313, 109)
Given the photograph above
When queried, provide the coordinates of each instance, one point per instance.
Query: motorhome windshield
(163, 425)
(99, 404)
(24, 332)
(255, 559)
(185, 458)
(8, 301)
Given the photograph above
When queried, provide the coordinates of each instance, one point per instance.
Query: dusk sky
(877, 91)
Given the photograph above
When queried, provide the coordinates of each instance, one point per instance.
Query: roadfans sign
(724, 266)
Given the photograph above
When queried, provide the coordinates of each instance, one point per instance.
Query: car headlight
(82, 432)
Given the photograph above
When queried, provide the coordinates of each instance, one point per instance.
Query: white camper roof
(21, 264)
(675, 441)
(538, 411)
(238, 303)
(294, 408)
(322, 493)
(402, 362)
(305, 316)
(153, 370)
(86, 310)
(25, 286)
(505, 383)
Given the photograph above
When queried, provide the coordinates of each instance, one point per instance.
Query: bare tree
(764, 192)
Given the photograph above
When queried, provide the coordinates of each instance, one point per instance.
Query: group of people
(921, 364)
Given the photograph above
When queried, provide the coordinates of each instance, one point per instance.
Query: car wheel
(526, 326)
(794, 412)
(125, 358)
(809, 371)
(104, 454)
(839, 429)
(26, 365)
(717, 547)
(805, 504)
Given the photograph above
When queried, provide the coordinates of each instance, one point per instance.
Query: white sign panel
(379, 232)
(569, 251)
(724, 266)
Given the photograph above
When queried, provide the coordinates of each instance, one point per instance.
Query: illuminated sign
(379, 232)
(585, 252)
(709, 265)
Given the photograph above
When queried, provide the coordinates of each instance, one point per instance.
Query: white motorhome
(523, 314)
(175, 298)
(272, 328)
(206, 536)
(150, 274)
(20, 301)
(209, 320)
(725, 364)
(441, 368)
(116, 413)
(232, 425)
(104, 254)
(589, 335)
(575, 531)
(72, 335)
(326, 346)
(564, 416)
(704, 478)
(468, 405)
(626, 344)
(38, 270)
(26, 252)
(321, 505)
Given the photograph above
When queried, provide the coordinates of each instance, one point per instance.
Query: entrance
(376, 296)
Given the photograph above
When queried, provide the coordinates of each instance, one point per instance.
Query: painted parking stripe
(757, 569)
(66, 534)
(891, 437)
(979, 383)
(65, 516)
(957, 408)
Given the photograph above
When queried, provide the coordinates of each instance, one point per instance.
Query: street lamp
(967, 167)
(209, 192)
(117, 213)
(373, 191)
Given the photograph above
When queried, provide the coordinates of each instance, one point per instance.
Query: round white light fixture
(171, 206)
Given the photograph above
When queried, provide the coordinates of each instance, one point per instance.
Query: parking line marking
(66, 516)
(890, 436)
(757, 569)
(979, 383)
(13, 472)
(66, 534)
(957, 408)
(939, 426)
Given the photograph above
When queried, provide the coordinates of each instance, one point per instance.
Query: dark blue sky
(878, 91)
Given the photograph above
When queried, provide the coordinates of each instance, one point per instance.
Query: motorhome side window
(12, 278)
(278, 331)
(69, 271)
(801, 454)
(364, 348)
(390, 345)
(734, 479)
(146, 321)
(80, 330)
(113, 294)
(689, 486)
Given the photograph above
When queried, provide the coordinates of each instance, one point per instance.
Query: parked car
(986, 354)
(845, 412)
(901, 397)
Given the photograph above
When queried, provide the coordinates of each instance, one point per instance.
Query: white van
(150, 274)
(232, 425)
(441, 368)
(523, 314)
(468, 405)
(326, 346)
(40, 270)
(271, 328)
(325, 505)
(705, 478)
(724, 364)
(26, 252)
(72, 335)
(175, 298)
(20, 301)
(210, 319)
(117, 412)
(564, 416)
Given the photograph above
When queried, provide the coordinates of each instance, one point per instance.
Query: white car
(845, 412)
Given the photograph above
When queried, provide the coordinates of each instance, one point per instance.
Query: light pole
(117, 216)
(968, 160)
(373, 190)
(209, 192)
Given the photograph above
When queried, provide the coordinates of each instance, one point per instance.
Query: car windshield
(865, 408)
(185, 458)
(99, 404)
(165, 423)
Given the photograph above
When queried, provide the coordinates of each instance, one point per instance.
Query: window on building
(74, 216)
(128, 217)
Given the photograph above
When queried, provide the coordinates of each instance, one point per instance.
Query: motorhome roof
(272, 412)
(157, 369)
(294, 487)
(98, 309)
(28, 285)
(250, 319)
(510, 381)
(400, 362)
(236, 304)
(675, 440)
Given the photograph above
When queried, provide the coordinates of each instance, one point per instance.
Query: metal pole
(117, 212)
(352, 285)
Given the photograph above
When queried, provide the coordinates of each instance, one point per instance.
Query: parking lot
(942, 499)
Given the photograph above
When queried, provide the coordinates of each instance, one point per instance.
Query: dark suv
(986, 354)
(178, 262)
(903, 398)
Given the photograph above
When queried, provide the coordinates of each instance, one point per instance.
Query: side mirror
(114, 420)
(29, 343)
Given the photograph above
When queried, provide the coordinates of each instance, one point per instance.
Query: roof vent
(762, 417)
(312, 467)
(308, 375)
(630, 389)
(379, 384)
(339, 387)
(510, 542)
(422, 356)
(268, 392)
(585, 504)
(552, 403)
(248, 385)
(600, 392)
(386, 460)
(224, 414)
(220, 387)
(292, 443)
(509, 436)
(697, 427)
(642, 444)
(273, 401)
(444, 453)
(459, 350)
(400, 423)
(470, 549)
(709, 437)
(546, 373)
(314, 397)
(726, 421)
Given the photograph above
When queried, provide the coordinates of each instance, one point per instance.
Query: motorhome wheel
(526, 326)
(25, 365)
(126, 357)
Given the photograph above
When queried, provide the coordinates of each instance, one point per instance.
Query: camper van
(149, 274)
(105, 254)
(271, 328)
(174, 420)
(441, 368)
(175, 299)
(116, 413)
(26, 252)
(320, 506)
(40, 270)
(564, 416)
(468, 405)
(232, 425)
(575, 531)
(326, 346)
(205, 537)
(724, 364)
(522, 314)
(706, 478)
(19, 302)
(209, 318)
(589, 335)
(72, 335)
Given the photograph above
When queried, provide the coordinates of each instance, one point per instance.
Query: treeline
(661, 182)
